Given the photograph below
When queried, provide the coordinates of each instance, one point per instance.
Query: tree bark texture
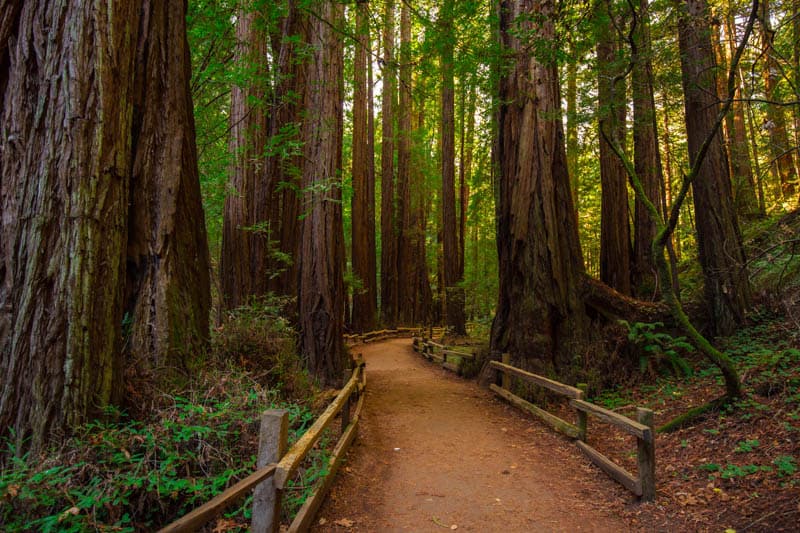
(248, 137)
(615, 237)
(540, 317)
(321, 284)
(744, 186)
(389, 288)
(781, 151)
(102, 227)
(365, 300)
(453, 265)
(647, 161)
(278, 202)
(722, 257)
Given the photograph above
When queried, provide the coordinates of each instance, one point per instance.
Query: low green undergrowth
(170, 451)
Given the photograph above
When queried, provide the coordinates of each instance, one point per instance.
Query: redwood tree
(248, 125)
(321, 285)
(453, 264)
(615, 237)
(103, 236)
(540, 317)
(722, 256)
(363, 242)
(389, 288)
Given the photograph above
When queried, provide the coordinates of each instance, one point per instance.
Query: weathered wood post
(272, 445)
(647, 455)
(583, 417)
(346, 407)
(506, 378)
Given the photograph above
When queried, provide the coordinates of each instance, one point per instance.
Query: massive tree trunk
(388, 218)
(363, 239)
(647, 161)
(615, 237)
(418, 224)
(278, 200)
(99, 185)
(540, 317)
(321, 285)
(248, 130)
(781, 151)
(721, 253)
(453, 265)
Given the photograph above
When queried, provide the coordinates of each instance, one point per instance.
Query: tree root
(684, 419)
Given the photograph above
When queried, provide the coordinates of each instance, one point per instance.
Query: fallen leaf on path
(322, 521)
(224, 524)
(438, 522)
(344, 522)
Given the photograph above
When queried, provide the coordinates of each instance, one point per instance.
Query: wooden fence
(642, 428)
(276, 466)
(360, 338)
(439, 353)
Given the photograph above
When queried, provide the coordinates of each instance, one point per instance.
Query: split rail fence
(642, 485)
(450, 359)
(276, 465)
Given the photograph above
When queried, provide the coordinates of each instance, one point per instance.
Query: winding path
(435, 451)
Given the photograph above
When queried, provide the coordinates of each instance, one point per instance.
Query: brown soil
(435, 452)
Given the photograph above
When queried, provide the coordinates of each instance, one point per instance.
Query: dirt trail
(435, 451)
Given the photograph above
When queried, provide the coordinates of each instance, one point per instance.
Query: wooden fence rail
(642, 428)
(371, 336)
(439, 353)
(270, 480)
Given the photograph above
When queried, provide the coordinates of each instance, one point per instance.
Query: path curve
(435, 451)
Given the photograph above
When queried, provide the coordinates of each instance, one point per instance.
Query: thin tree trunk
(321, 285)
(248, 129)
(781, 151)
(615, 241)
(573, 150)
(540, 317)
(363, 204)
(404, 266)
(744, 188)
(453, 275)
(722, 257)
(469, 102)
(389, 288)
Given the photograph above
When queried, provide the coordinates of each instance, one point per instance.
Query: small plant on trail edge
(658, 349)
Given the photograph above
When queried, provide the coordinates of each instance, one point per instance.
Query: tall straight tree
(100, 207)
(365, 299)
(405, 251)
(744, 187)
(615, 236)
(278, 204)
(389, 288)
(727, 289)
(321, 283)
(647, 159)
(453, 264)
(540, 317)
(781, 151)
(248, 127)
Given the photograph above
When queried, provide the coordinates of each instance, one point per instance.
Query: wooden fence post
(272, 444)
(582, 415)
(647, 455)
(506, 378)
(346, 407)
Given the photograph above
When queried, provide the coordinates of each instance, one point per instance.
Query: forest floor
(437, 452)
